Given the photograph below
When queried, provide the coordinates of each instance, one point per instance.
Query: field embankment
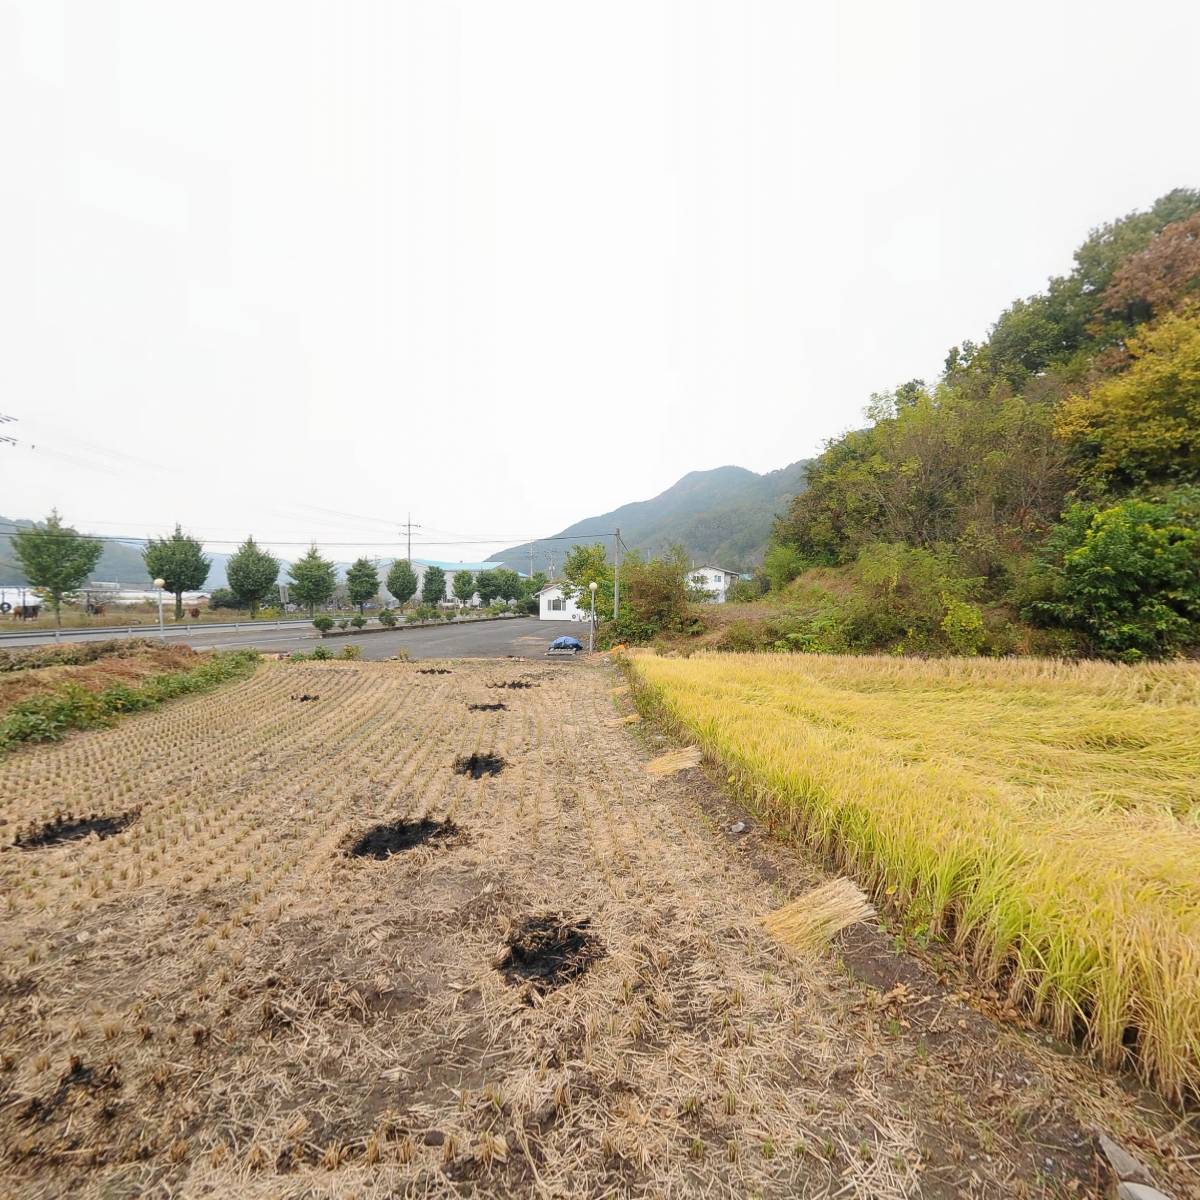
(1043, 816)
(47, 691)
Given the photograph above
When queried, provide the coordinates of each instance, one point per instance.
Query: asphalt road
(525, 636)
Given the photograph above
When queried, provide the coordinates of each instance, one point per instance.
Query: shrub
(1126, 576)
(321, 654)
(387, 618)
(351, 653)
(963, 626)
(344, 623)
(358, 622)
(323, 622)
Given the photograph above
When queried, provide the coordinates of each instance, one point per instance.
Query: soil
(284, 1020)
(545, 952)
(70, 829)
(382, 841)
(478, 765)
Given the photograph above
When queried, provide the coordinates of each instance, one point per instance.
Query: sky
(302, 269)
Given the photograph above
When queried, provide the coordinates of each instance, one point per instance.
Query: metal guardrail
(78, 631)
(145, 630)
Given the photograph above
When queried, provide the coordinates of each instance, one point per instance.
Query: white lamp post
(160, 584)
(592, 626)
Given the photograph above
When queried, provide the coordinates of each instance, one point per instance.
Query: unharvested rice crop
(1043, 816)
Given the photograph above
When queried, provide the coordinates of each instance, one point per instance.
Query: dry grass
(810, 923)
(217, 1000)
(674, 760)
(1044, 815)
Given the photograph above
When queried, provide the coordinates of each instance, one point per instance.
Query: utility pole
(616, 574)
(409, 527)
(531, 558)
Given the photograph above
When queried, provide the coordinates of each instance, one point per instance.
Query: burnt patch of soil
(514, 684)
(394, 837)
(434, 671)
(478, 765)
(547, 951)
(497, 707)
(66, 828)
(304, 698)
(78, 1076)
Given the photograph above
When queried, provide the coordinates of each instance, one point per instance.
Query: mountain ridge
(722, 514)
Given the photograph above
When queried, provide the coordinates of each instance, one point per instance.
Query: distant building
(555, 605)
(716, 581)
(421, 565)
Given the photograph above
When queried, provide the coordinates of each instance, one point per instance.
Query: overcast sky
(509, 264)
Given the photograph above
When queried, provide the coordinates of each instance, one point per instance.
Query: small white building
(716, 581)
(555, 605)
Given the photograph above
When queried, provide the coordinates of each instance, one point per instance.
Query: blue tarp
(566, 643)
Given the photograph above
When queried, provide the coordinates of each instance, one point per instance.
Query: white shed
(555, 605)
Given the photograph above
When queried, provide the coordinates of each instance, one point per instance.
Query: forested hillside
(1044, 493)
(722, 516)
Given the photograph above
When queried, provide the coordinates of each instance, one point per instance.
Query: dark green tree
(464, 585)
(488, 586)
(56, 559)
(508, 584)
(433, 587)
(362, 582)
(313, 580)
(252, 573)
(179, 562)
(402, 581)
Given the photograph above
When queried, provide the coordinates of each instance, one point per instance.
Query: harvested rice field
(400, 940)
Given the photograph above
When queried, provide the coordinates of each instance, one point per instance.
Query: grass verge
(48, 717)
(1041, 816)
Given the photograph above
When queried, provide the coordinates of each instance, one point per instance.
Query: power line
(136, 539)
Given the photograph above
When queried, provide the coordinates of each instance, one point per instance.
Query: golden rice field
(1042, 816)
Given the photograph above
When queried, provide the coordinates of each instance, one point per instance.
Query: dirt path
(219, 1000)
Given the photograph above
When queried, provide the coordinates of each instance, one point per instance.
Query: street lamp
(160, 584)
(592, 626)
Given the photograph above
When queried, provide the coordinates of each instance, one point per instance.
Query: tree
(252, 573)
(433, 586)
(1162, 277)
(362, 582)
(487, 585)
(402, 581)
(534, 584)
(1127, 576)
(313, 580)
(584, 563)
(1143, 426)
(56, 559)
(179, 562)
(508, 584)
(464, 586)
